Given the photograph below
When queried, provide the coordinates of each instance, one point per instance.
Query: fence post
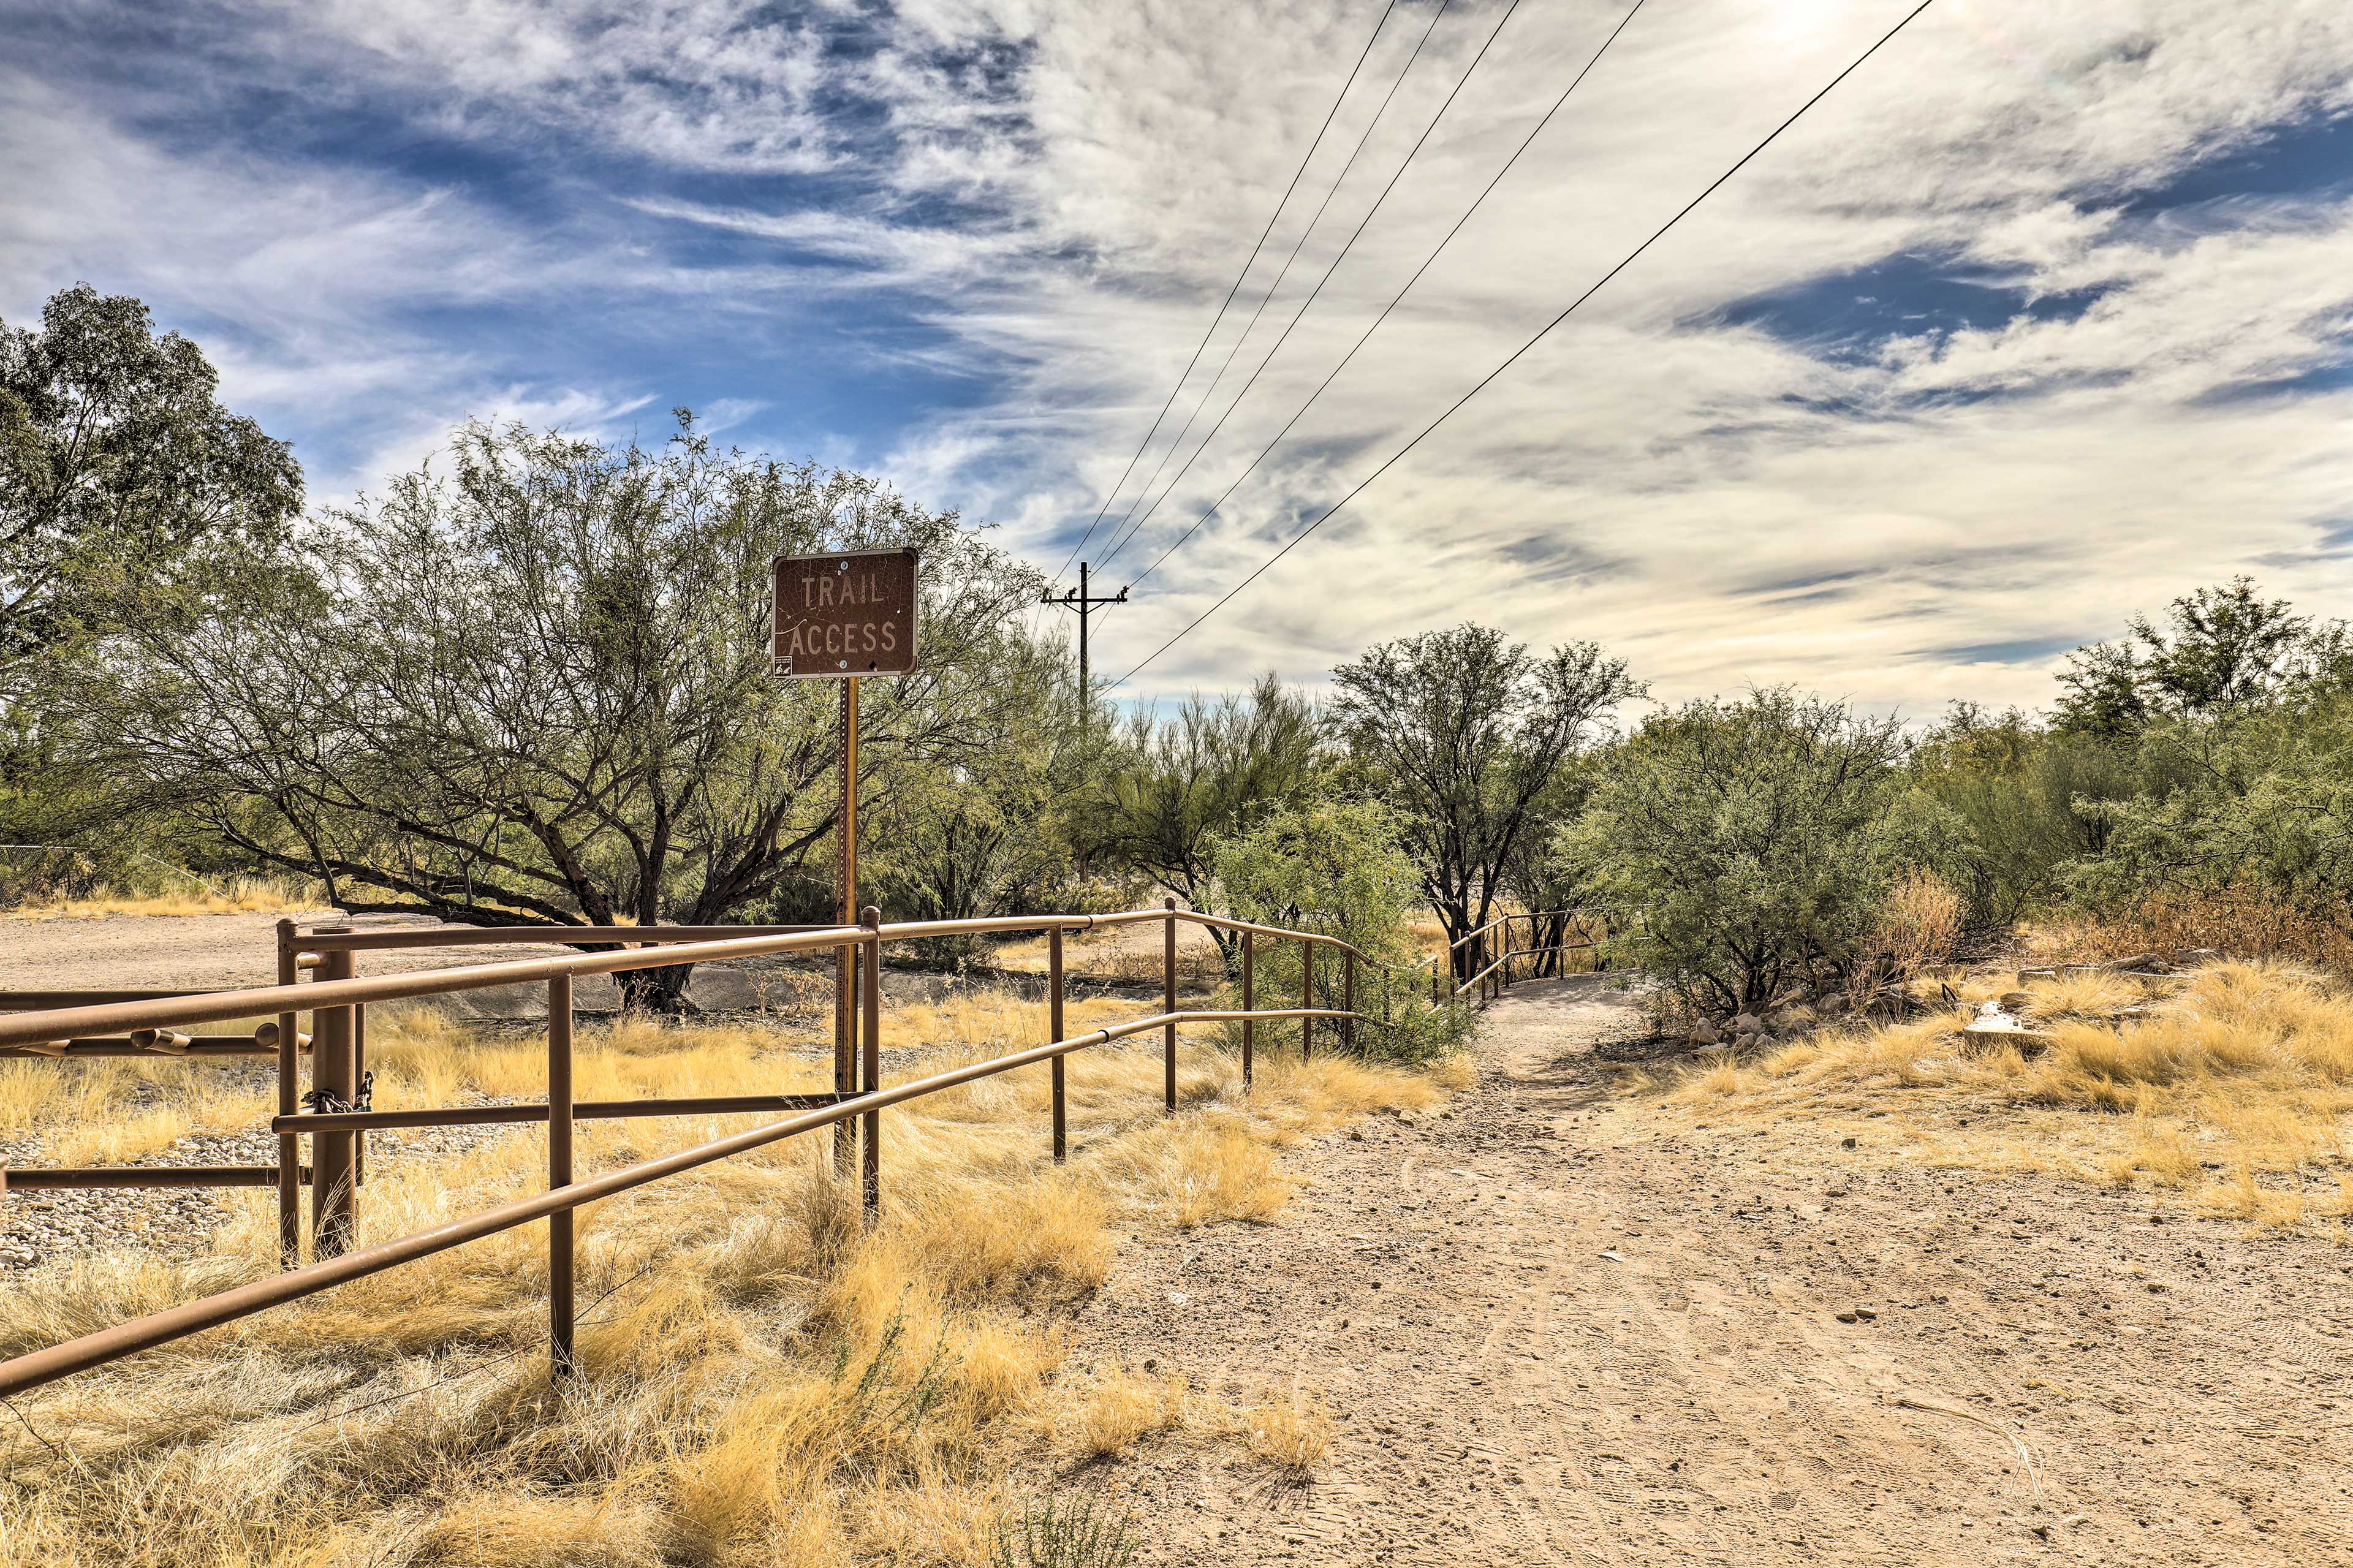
(845, 1054)
(559, 1174)
(1168, 997)
(359, 1079)
(871, 1006)
(1250, 1002)
(290, 1145)
(1054, 1032)
(1348, 998)
(332, 1206)
(1306, 996)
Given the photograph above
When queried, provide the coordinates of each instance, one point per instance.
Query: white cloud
(1638, 476)
(1068, 187)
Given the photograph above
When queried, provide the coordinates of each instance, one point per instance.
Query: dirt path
(1558, 1326)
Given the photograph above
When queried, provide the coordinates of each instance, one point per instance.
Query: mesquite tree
(1464, 734)
(1179, 783)
(119, 472)
(536, 686)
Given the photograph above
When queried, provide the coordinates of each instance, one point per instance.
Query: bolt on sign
(845, 615)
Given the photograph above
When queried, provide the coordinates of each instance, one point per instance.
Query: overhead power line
(1300, 314)
(1271, 219)
(1525, 143)
(1452, 408)
(1370, 126)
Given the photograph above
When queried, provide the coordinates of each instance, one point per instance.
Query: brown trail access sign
(848, 615)
(840, 616)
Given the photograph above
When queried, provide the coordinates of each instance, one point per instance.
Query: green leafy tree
(1339, 867)
(2221, 649)
(1542, 882)
(2030, 797)
(2260, 809)
(993, 833)
(536, 686)
(121, 477)
(1755, 840)
(1179, 783)
(1465, 733)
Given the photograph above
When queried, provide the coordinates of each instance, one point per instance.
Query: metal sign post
(838, 617)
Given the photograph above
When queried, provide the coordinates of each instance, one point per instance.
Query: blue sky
(2043, 318)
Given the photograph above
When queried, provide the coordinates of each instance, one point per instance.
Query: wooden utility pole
(1079, 599)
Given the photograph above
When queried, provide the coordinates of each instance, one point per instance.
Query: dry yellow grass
(764, 1381)
(2246, 923)
(1131, 953)
(237, 896)
(83, 1106)
(2233, 1083)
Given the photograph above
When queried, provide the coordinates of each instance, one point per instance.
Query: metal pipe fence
(336, 998)
(1481, 960)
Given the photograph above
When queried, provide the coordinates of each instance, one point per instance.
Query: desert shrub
(1175, 786)
(1757, 841)
(1337, 867)
(2252, 847)
(2031, 799)
(1071, 1530)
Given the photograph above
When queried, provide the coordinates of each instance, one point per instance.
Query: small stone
(1846, 1316)
(1868, 1314)
(1846, 1142)
(1749, 1023)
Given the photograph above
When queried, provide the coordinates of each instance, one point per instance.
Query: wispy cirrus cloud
(2039, 318)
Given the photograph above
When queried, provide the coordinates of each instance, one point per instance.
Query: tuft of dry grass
(763, 1380)
(1109, 1411)
(1918, 926)
(1290, 1431)
(2237, 1067)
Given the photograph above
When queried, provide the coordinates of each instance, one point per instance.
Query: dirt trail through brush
(1561, 1325)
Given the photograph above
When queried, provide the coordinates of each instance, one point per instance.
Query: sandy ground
(162, 952)
(1561, 1326)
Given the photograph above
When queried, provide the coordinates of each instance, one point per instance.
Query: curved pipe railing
(1490, 978)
